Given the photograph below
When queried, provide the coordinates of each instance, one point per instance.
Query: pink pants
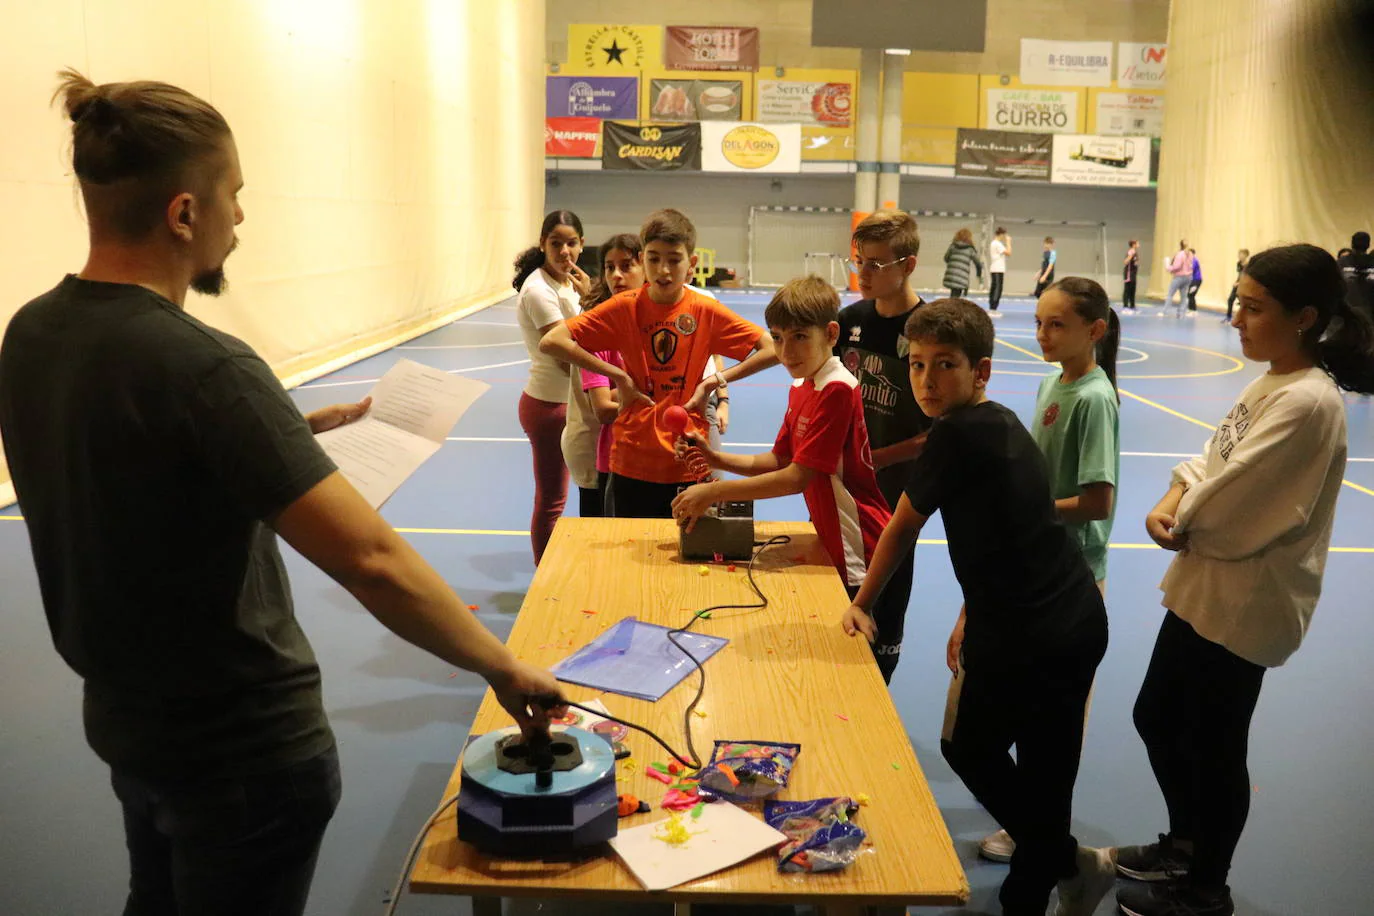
(543, 423)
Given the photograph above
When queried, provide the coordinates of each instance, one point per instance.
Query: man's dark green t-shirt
(147, 450)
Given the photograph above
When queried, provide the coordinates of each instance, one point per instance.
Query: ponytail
(526, 263)
(1341, 340)
(1091, 303)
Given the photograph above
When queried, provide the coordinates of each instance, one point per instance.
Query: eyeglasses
(859, 265)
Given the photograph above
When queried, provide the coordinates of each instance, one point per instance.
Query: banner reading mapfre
(653, 147)
(571, 138)
(693, 47)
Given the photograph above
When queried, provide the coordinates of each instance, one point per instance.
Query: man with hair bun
(156, 459)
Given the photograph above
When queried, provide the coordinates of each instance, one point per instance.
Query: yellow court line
(1183, 416)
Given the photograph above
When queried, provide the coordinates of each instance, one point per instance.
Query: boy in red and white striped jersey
(822, 449)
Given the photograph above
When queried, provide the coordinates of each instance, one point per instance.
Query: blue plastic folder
(636, 659)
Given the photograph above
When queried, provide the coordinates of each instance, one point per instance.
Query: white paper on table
(725, 835)
(414, 408)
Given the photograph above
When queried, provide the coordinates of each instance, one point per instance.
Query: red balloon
(676, 419)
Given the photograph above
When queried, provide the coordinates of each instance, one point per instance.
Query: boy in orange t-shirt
(666, 334)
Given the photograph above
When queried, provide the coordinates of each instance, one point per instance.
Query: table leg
(486, 906)
(682, 909)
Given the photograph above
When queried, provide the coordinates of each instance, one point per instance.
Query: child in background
(1035, 628)
(1242, 258)
(1129, 272)
(666, 335)
(961, 259)
(1077, 427)
(1000, 250)
(551, 286)
(1047, 261)
(873, 348)
(1251, 520)
(1195, 285)
(822, 449)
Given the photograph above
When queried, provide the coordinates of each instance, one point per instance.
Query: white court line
(373, 381)
(504, 343)
(770, 445)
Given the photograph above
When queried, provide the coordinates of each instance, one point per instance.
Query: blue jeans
(1180, 286)
(227, 847)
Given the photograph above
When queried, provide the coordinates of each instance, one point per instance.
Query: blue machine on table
(541, 799)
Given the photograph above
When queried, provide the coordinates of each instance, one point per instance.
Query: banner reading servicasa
(653, 147)
(1003, 154)
(691, 47)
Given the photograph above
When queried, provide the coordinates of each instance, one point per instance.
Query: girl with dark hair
(961, 259)
(593, 403)
(1251, 522)
(1078, 429)
(551, 286)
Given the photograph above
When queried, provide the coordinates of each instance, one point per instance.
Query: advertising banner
(695, 100)
(653, 147)
(615, 49)
(1003, 154)
(1066, 63)
(1140, 66)
(691, 47)
(814, 104)
(606, 97)
(571, 138)
(1121, 114)
(1119, 162)
(1046, 111)
(730, 147)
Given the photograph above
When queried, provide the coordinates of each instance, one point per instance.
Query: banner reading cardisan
(652, 147)
(623, 49)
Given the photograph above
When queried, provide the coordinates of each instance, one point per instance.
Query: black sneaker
(1154, 862)
(1176, 899)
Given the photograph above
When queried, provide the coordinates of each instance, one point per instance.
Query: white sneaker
(1080, 895)
(997, 847)
(994, 313)
(1192, 314)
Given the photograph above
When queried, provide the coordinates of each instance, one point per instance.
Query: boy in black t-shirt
(1034, 629)
(1045, 279)
(872, 347)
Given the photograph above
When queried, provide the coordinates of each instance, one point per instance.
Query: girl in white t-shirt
(1251, 523)
(551, 286)
(997, 267)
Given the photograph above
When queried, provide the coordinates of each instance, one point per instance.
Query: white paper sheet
(724, 835)
(414, 408)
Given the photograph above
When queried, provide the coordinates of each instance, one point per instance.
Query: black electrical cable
(695, 761)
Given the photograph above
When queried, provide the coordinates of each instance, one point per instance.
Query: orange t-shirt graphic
(665, 348)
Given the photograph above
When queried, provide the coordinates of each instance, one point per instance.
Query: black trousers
(1128, 294)
(957, 292)
(591, 501)
(1231, 302)
(995, 291)
(627, 497)
(1042, 285)
(1034, 700)
(1192, 296)
(1194, 713)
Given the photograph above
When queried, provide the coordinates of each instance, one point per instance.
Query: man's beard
(210, 283)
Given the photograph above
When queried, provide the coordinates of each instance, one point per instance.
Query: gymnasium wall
(391, 150)
(1267, 132)
(611, 202)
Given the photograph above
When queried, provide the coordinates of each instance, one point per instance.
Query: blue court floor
(401, 719)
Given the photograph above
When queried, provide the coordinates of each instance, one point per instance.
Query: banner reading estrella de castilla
(651, 147)
(606, 97)
(615, 48)
(691, 47)
(732, 147)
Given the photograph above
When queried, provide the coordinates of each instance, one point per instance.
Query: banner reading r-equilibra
(655, 147)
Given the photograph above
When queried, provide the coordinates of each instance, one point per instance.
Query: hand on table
(857, 620)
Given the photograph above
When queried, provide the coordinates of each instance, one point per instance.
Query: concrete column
(867, 130)
(890, 146)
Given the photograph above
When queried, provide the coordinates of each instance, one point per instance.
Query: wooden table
(789, 673)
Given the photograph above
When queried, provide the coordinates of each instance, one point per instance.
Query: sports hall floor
(401, 719)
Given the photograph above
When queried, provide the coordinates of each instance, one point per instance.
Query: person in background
(1242, 258)
(961, 259)
(1047, 262)
(1129, 271)
(1357, 266)
(157, 460)
(1250, 523)
(551, 287)
(1195, 285)
(1180, 268)
(997, 268)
